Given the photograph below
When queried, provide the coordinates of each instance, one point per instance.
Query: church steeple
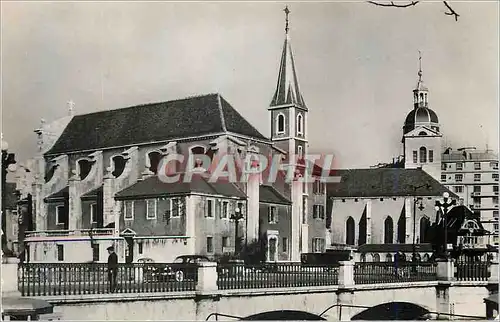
(421, 91)
(287, 88)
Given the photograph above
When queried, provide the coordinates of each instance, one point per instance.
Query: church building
(97, 183)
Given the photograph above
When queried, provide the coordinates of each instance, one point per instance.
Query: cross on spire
(287, 12)
(420, 65)
(71, 106)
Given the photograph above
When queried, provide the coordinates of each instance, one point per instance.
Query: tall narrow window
(60, 215)
(60, 253)
(151, 208)
(210, 244)
(210, 208)
(224, 213)
(272, 214)
(350, 231)
(431, 156)
(128, 210)
(423, 155)
(300, 124)
(415, 160)
(424, 229)
(299, 151)
(280, 123)
(388, 231)
(284, 244)
(93, 213)
(95, 252)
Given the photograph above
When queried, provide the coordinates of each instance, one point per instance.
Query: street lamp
(442, 208)
(420, 207)
(8, 164)
(236, 216)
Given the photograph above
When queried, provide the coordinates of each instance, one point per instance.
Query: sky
(357, 65)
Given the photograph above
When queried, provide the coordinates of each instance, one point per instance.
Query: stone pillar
(75, 204)
(296, 193)
(346, 274)
(108, 200)
(190, 224)
(445, 270)
(253, 193)
(9, 277)
(368, 221)
(207, 277)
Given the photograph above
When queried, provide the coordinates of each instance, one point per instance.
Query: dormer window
(196, 159)
(280, 123)
(118, 165)
(300, 124)
(154, 161)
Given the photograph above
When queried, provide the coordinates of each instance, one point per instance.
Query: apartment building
(473, 175)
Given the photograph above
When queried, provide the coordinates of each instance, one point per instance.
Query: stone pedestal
(9, 277)
(445, 270)
(346, 274)
(207, 277)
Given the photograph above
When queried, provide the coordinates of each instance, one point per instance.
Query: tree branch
(452, 12)
(395, 5)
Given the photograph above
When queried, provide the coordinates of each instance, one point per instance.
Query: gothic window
(280, 123)
(424, 228)
(154, 161)
(376, 258)
(388, 230)
(402, 228)
(118, 165)
(84, 168)
(423, 155)
(362, 258)
(415, 154)
(388, 257)
(300, 124)
(350, 231)
(426, 257)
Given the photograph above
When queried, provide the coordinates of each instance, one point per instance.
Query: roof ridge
(223, 119)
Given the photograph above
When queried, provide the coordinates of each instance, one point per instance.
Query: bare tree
(393, 4)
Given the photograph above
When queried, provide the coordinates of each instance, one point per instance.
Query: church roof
(287, 89)
(154, 187)
(177, 119)
(385, 182)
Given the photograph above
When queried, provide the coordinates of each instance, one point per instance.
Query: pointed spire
(287, 88)
(420, 84)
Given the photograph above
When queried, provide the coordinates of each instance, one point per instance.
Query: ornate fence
(92, 278)
(472, 271)
(388, 272)
(240, 276)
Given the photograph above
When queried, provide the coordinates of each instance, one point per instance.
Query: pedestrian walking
(112, 268)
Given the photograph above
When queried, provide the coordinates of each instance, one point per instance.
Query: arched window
(426, 258)
(424, 229)
(402, 228)
(421, 97)
(417, 257)
(84, 168)
(300, 124)
(154, 161)
(362, 258)
(350, 231)
(118, 165)
(376, 258)
(388, 231)
(422, 133)
(423, 155)
(388, 257)
(369, 257)
(280, 123)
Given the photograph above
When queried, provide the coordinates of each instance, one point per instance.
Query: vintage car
(183, 268)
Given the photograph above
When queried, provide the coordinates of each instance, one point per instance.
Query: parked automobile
(184, 267)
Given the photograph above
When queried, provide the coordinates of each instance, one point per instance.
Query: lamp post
(443, 208)
(8, 163)
(236, 216)
(421, 207)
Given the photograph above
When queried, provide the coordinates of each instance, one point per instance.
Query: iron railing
(472, 271)
(273, 275)
(77, 232)
(40, 279)
(393, 272)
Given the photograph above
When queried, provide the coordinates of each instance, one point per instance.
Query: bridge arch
(284, 315)
(392, 311)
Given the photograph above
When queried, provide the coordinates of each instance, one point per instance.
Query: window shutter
(276, 214)
(206, 208)
(269, 210)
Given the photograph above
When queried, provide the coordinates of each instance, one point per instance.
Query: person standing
(112, 268)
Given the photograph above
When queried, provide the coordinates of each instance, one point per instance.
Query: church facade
(96, 182)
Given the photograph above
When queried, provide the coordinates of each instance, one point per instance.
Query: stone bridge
(344, 301)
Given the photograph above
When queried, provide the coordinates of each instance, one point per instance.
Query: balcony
(72, 233)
